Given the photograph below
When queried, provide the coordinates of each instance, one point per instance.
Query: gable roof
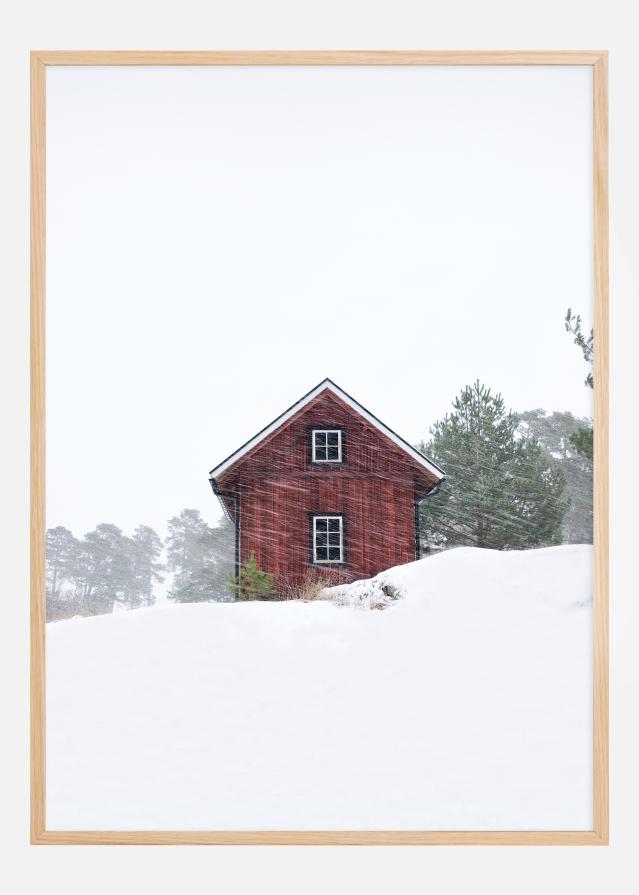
(327, 385)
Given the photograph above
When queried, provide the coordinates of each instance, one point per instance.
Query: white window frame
(327, 432)
(328, 544)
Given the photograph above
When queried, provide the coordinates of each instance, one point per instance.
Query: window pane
(333, 453)
(321, 524)
(321, 553)
(333, 539)
(320, 539)
(332, 438)
(333, 524)
(334, 553)
(320, 452)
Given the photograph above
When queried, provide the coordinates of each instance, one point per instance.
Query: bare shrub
(312, 585)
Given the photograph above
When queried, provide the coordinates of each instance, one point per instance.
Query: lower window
(328, 539)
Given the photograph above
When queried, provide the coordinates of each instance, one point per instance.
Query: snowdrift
(556, 573)
(466, 705)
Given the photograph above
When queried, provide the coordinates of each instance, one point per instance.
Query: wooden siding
(279, 487)
(275, 524)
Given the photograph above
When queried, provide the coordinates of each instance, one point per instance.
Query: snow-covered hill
(465, 705)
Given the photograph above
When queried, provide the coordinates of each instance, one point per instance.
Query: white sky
(221, 239)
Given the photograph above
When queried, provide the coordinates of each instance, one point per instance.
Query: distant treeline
(106, 569)
(556, 433)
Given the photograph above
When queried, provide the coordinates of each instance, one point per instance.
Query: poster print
(319, 495)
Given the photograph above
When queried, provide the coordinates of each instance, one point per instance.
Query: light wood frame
(598, 61)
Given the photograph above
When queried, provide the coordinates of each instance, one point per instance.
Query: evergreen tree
(61, 559)
(582, 438)
(555, 433)
(62, 552)
(582, 441)
(145, 569)
(502, 491)
(104, 569)
(572, 322)
(252, 583)
(200, 558)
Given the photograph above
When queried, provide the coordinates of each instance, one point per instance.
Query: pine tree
(582, 439)
(572, 322)
(252, 583)
(200, 558)
(555, 433)
(62, 552)
(61, 558)
(145, 550)
(104, 569)
(502, 491)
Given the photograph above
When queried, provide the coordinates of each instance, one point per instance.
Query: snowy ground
(465, 705)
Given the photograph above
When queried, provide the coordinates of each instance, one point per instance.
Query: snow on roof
(330, 386)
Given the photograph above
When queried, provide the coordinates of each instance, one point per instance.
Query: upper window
(327, 445)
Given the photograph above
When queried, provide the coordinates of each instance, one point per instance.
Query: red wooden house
(326, 485)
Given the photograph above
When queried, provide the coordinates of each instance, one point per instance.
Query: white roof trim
(330, 386)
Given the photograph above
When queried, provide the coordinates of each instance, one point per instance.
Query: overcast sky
(221, 239)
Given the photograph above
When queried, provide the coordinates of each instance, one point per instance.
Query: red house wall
(278, 487)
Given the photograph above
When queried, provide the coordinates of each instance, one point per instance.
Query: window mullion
(327, 446)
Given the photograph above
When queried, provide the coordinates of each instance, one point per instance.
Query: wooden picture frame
(597, 62)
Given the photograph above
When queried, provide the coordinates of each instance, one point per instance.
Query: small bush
(312, 585)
